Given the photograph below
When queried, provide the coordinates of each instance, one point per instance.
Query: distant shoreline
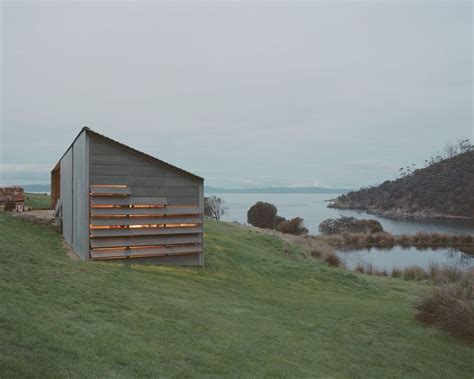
(279, 190)
(404, 214)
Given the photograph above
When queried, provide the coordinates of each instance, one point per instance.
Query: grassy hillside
(444, 188)
(258, 308)
(38, 200)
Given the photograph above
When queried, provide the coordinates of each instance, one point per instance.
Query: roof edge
(89, 130)
(84, 128)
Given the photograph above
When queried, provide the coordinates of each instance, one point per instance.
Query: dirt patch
(43, 217)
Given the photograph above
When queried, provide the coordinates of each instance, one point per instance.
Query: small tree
(214, 207)
(349, 225)
(278, 220)
(294, 226)
(262, 215)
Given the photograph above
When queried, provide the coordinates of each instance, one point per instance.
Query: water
(313, 209)
(403, 257)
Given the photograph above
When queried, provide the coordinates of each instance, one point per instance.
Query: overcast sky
(244, 94)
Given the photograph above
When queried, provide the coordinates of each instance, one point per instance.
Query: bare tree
(214, 207)
(464, 145)
(451, 150)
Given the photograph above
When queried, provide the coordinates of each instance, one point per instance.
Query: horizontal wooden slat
(145, 240)
(146, 211)
(145, 220)
(148, 190)
(131, 200)
(146, 252)
(105, 191)
(125, 232)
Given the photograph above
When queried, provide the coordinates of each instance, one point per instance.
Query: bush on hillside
(262, 215)
(349, 225)
(294, 226)
(451, 308)
(278, 220)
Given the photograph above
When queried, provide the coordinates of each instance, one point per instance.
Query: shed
(116, 202)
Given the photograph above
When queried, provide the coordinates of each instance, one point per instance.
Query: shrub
(262, 215)
(466, 238)
(359, 268)
(450, 274)
(316, 254)
(433, 270)
(403, 240)
(414, 273)
(278, 220)
(451, 308)
(294, 226)
(332, 259)
(396, 272)
(349, 225)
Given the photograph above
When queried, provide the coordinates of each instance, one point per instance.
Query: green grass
(38, 200)
(258, 308)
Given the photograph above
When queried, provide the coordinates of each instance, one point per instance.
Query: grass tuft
(451, 308)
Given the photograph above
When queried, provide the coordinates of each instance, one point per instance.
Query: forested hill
(443, 189)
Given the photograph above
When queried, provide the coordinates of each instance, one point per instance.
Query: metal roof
(147, 156)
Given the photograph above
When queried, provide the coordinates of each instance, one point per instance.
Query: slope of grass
(38, 200)
(258, 308)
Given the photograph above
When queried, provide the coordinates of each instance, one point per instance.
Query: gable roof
(137, 152)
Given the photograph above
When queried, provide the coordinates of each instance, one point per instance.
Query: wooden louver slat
(144, 252)
(126, 226)
(145, 221)
(145, 240)
(125, 232)
(110, 191)
(164, 211)
(131, 200)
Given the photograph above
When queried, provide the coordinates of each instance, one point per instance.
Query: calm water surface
(403, 257)
(313, 209)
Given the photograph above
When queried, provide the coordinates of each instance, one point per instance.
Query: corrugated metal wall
(142, 208)
(66, 195)
(80, 200)
(75, 196)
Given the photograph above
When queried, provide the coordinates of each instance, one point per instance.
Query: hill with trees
(443, 189)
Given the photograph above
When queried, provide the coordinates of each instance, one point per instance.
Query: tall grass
(450, 307)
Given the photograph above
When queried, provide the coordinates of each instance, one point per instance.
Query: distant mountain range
(277, 190)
